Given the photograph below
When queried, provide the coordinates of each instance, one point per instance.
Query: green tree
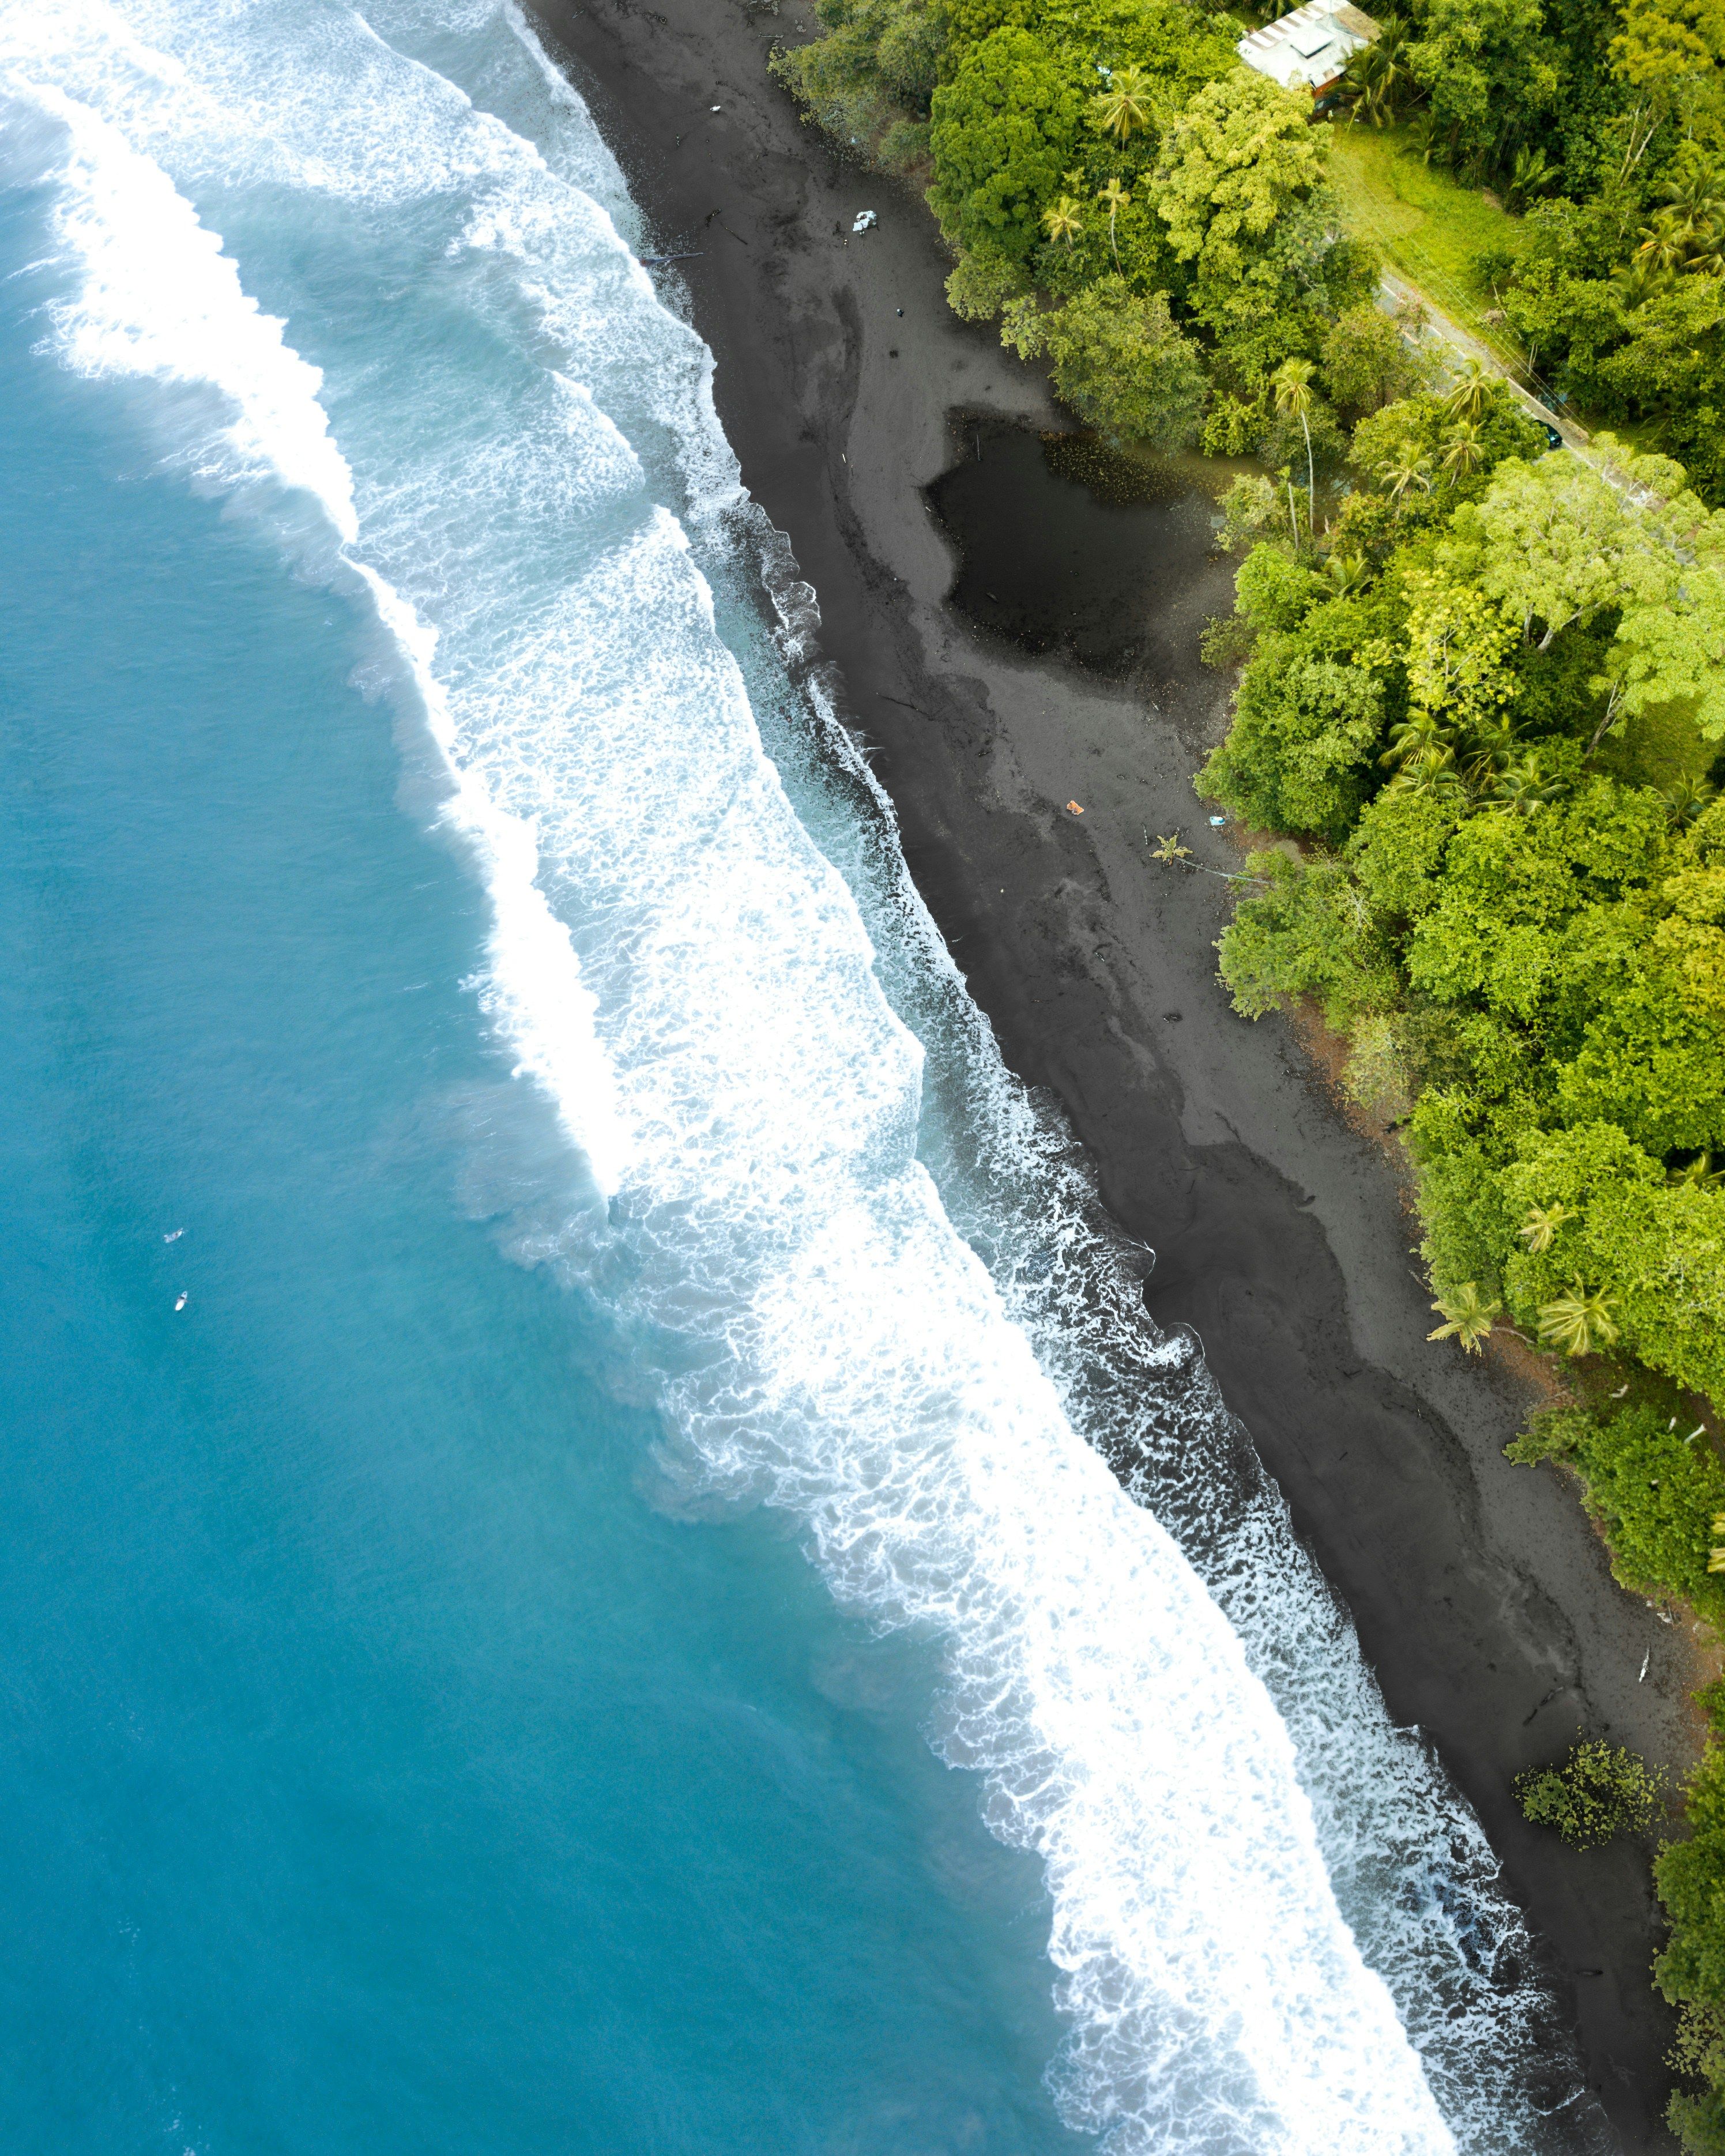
(1238, 184)
(1291, 385)
(1273, 591)
(1691, 1972)
(1597, 1793)
(1671, 649)
(1303, 933)
(1125, 106)
(1366, 363)
(1119, 360)
(1397, 850)
(1002, 133)
(878, 63)
(983, 283)
(1486, 69)
(1653, 1485)
(1299, 754)
(1557, 544)
(1525, 904)
(1468, 1223)
(1469, 1315)
(1457, 642)
(1670, 52)
(1648, 1061)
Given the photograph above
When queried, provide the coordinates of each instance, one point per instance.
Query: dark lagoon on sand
(568, 1586)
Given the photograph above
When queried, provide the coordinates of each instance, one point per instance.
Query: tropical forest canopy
(1123, 138)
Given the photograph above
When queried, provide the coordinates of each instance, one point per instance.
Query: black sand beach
(1482, 1599)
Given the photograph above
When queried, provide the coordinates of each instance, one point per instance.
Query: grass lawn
(1426, 224)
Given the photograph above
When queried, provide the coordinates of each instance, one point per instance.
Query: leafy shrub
(1119, 361)
(869, 80)
(1273, 591)
(1691, 1877)
(1298, 756)
(1303, 934)
(1655, 1491)
(1698, 2122)
(1469, 1227)
(982, 284)
(1225, 640)
(1367, 363)
(1597, 1793)
(1378, 1074)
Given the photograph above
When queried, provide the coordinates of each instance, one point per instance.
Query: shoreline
(1482, 1597)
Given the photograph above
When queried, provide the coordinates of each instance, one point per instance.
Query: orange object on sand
(1075, 808)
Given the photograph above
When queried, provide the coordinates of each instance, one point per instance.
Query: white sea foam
(157, 298)
(526, 440)
(121, 216)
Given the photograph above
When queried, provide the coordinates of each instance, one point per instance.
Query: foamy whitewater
(363, 273)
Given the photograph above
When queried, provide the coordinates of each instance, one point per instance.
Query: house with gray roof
(1309, 49)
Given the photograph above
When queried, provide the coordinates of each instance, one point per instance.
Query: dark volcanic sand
(1480, 1597)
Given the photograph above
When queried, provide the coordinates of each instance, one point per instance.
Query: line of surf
(719, 1047)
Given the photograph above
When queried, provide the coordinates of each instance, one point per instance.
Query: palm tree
(1347, 573)
(1434, 777)
(1542, 1225)
(1468, 1317)
(1291, 383)
(1523, 786)
(1115, 198)
(1062, 219)
(1533, 173)
(1697, 209)
(1376, 83)
(1579, 1321)
(1419, 740)
(1665, 243)
(1411, 470)
(1707, 257)
(1489, 745)
(1472, 392)
(1463, 451)
(1425, 137)
(1685, 798)
(1124, 106)
(1699, 197)
(1636, 281)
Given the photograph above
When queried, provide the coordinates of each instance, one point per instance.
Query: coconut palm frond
(1468, 1315)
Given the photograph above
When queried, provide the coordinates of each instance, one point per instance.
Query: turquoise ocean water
(555, 1595)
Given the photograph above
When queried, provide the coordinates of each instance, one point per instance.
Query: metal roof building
(1309, 49)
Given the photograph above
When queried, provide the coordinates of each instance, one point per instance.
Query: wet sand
(1482, 1597)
